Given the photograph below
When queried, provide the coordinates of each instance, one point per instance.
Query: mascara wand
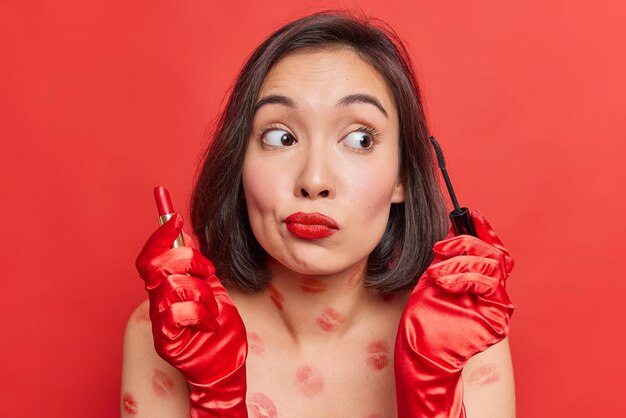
(460, 217)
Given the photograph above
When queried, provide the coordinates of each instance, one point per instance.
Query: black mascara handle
(462, 222)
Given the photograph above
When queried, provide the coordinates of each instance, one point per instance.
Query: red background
(101, 101)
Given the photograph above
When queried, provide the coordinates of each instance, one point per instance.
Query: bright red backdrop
(100, 101)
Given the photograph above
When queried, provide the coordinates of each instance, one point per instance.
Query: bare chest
(327, 369)
(351, 380)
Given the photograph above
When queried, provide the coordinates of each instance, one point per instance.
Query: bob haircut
(218, 210)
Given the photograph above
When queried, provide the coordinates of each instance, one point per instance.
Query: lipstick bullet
(166, 211)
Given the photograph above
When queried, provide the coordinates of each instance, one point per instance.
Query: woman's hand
(458, 308)
(195, 325)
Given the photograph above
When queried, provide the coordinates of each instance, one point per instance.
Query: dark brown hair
(218, 211)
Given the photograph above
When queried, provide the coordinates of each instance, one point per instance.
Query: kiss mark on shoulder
(256, 343)
(484, 375)
(129, 404)
(142, 314)
(162, 384)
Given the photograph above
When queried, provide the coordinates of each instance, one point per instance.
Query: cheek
(259, 190)
(370, 191)
(264, 188)
(257, 186)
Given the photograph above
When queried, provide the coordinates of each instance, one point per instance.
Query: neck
(320, 305)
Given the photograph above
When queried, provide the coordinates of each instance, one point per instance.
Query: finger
(180, 288)
(180, 260)
(169, 323)
(476, 284)
(160, 240)
(466, 245)
(496, 303)
(467, 265)
(186, 301)
(195, 314)
(483, 228)
(485, 232)
(191, 241)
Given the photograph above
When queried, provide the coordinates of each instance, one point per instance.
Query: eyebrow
(344, 101)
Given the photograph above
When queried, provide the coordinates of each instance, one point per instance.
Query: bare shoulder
(489, 388)
(149, 384)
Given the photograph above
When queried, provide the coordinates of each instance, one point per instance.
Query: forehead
(324, 75)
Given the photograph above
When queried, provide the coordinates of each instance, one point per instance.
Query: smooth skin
(327, 141)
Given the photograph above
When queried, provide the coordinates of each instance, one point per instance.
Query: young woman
(318, 208)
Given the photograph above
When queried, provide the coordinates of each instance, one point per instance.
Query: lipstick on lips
(166, 211)
(310, 225)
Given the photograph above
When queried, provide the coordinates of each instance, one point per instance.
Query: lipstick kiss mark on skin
(377, 354)
(255, 343)
(330, 319)
(356, 278)
(309, 381)
(313, 285)
(484, 375)
(142, 315)
(276, 297)
(162, 383)
(260, 406)
(129, 404)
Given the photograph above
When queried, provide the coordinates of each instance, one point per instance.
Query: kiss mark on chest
(261, 406)
(309, 380)
(377, 355)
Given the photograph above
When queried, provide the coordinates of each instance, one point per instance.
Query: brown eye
(359, 140)
(278, 138)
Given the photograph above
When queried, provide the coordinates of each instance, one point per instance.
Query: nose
(316, 177)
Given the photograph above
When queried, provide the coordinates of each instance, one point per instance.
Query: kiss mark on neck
(329, 320)
(313, 285)
(276, 297)
(358, 274)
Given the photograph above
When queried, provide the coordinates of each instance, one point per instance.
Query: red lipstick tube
(166, 211)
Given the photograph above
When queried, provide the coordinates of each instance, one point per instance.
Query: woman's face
(321, 167)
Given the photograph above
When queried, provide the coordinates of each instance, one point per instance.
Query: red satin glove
(458, 308)
(195, 325)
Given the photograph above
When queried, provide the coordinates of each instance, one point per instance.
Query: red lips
(310, 225)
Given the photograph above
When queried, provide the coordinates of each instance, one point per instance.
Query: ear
(398, 192)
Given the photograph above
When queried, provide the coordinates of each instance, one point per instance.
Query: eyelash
(363, 128)
(267, 128)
